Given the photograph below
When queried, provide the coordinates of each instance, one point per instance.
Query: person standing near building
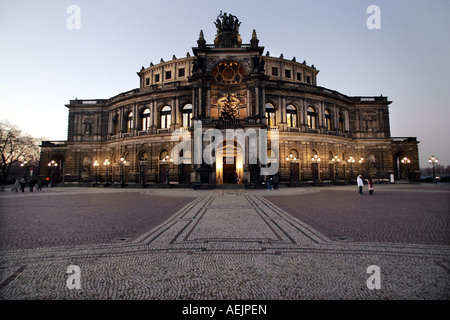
(370, 185)
(23, 183)
(16, 185)
(360, 184)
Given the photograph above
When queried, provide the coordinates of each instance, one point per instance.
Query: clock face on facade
(228, 72)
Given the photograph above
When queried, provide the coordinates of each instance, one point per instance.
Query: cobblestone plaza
(226, 244)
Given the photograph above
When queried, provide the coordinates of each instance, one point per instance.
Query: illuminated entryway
(229, 163)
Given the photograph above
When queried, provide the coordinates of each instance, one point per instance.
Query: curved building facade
(321, 135)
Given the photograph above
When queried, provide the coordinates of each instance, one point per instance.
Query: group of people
(22, 183)
(360, 184)
(272, 183)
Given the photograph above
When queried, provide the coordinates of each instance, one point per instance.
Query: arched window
(291, 116)
(328, 121)
(293, 155)
(187, 115)
(341, 122)
(129, 122)
(166, 117)
(145, 119)
(330, 155)
(143, 156)
(115, 125)
(312, 118)
(270, 115)
(164, 156)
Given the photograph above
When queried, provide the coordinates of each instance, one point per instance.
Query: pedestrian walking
(360, 184)
(269, 184)
(23, 183)
(275, 182)
(31, 184)
(39, 185)
(16, 185)
(370, 185)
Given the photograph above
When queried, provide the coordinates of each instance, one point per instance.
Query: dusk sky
(44, 64)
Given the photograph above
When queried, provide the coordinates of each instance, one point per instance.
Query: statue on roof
(227, 22)
(227, 30)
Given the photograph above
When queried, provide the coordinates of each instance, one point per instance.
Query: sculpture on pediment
(227, 30)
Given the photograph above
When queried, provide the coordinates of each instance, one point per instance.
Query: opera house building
(314, 134)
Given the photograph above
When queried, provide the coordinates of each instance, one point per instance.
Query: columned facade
(324, 135)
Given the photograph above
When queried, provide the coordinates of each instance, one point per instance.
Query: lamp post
(433, 160)
(289, 161)
(24, 164)
(106, 163)
(351, 160)
(315, 160)
(336, 160)
(122, 163)
(96, 164)
(406, 161)
(361, 162)
(168, 160)
(52, 164)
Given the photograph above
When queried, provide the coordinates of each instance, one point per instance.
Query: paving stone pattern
(215, 244)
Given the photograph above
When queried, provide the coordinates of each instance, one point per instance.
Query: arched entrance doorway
(229, 163)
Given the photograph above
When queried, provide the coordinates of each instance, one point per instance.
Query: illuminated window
(270, 115)
(166, 117)
(146, 119)
(291, 116)
(328, 122)
(312, 118)
(129, 122)
(187, 115)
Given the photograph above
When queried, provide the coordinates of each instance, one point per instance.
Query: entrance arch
(229, 163)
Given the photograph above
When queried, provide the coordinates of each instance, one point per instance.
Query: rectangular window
(274, 71)
(287, 73)
(168, 75)
(147, 81)
(308, 79)
(299, 76)
(156, 77)
(181, 72)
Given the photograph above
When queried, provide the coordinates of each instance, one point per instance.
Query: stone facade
(129, 135)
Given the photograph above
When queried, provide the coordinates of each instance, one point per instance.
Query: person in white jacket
(360, 184)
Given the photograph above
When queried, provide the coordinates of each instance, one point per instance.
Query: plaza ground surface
(181, 244)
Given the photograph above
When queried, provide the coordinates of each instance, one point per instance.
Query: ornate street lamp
(351, 160)
(406, 161)
(336, 160)
(96, 164)
(24, 164)
(106, 163)
(168, 160)
(433, 160)
(289, 161)
(315, 160)
(51, 165)
(361, 162)
(122, 163)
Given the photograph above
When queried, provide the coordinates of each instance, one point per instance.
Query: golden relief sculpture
(228, 72)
